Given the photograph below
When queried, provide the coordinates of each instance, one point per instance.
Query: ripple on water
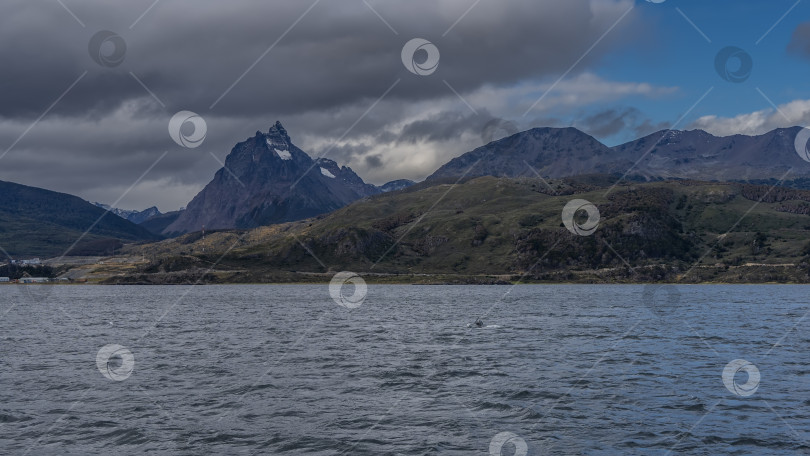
(283, 370)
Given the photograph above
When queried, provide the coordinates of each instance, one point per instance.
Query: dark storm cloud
(189, 53)
(629, 122)
(341, 153)
(608, 123)
(800, 41)
(322, 76)
(443, 126)
(374, 161)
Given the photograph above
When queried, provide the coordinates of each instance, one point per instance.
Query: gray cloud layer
(318, 80)
(800, 40)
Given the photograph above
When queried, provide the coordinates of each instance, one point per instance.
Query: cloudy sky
(90, 116)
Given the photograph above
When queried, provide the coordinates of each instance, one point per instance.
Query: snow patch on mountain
(284, 154)
(136, 217)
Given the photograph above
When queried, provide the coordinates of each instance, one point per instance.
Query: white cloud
(418, 160)
(791, 114)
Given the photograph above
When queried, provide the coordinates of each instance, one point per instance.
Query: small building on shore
(4, 280)
(34, 280)
(31, 262)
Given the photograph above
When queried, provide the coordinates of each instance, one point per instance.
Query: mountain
(700, 155)
(144, 215)
(496, 229)
(38, 222)
(696, 154)
(159, 223)
(136, 217)
(267, 179)
(553, 152)
(395, 185)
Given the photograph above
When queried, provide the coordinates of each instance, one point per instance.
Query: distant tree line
(14, 271)
(774, 194)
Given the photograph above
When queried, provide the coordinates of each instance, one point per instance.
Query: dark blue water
(284, 370)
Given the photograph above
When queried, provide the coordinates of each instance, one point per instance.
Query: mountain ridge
(267, 179)
(135, 216)
(40, 222)
(685, 154)
(510, 229)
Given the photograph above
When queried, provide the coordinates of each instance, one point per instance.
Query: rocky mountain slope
(38, 222)
(395, 185)
(159, 223)
(267, 179)
(553, 152)
(503, 229)
(696, 154)
(134, 216)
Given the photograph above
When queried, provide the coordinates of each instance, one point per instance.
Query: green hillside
(41, 223)
(508, 229)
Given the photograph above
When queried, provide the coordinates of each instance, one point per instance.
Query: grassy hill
(36, 222)
(492, 229)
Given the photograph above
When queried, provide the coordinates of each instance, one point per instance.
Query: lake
(578, 369)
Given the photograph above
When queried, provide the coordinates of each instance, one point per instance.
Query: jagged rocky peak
(327, 162)
(277, 182)
(329, 168)
(395, 185)
(671, 136)
(277, 137)
(278, 141)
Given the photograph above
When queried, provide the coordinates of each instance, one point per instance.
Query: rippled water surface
(284, 370)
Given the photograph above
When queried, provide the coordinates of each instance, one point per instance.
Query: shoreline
(376, 283)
